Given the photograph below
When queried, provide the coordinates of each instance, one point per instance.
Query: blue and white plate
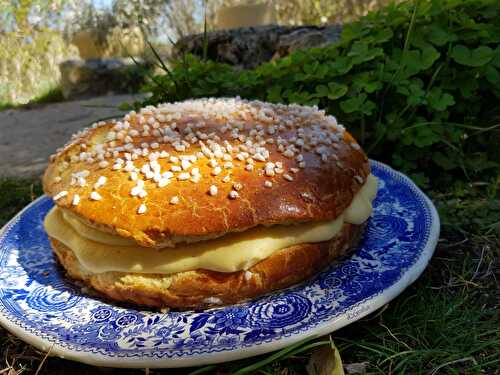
(42, 307)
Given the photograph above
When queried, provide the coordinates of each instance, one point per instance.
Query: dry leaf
(325, 361)
(356, 368)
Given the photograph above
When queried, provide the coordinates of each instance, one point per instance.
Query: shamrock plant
(417, 83)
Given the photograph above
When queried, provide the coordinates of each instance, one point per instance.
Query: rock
(304, 38)
(92, 77)
(248, 47)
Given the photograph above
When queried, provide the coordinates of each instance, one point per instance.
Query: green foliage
(417, 83)
(52, 96)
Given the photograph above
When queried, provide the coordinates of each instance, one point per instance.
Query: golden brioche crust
(201, 288)
(316, 182)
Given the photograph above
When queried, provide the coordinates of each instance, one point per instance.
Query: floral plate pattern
(42, 307)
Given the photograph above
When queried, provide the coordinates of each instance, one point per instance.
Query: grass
(447, 322)
(53, 95)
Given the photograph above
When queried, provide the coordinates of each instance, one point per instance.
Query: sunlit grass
(51, 96)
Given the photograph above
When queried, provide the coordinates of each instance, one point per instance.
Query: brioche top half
(198, 169)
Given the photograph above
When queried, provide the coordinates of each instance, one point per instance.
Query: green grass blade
(162, 64)
(151, 77)
(157, 56)
(203, 370)
(250, 369)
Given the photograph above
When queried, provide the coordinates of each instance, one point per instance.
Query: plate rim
(359, 310)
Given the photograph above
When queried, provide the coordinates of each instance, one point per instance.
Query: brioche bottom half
(200, 289)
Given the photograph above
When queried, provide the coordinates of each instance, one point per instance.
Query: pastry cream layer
(101, 252)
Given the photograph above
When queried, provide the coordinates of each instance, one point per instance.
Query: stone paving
(29, 136)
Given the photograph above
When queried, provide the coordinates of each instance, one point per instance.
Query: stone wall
(248, 47)
(86, 78)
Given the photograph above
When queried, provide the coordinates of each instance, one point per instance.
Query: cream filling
(94, 234)
(102, 252)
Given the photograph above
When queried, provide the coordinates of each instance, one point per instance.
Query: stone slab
(29, 136)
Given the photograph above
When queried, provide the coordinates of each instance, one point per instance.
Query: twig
(43, 360)
(454, 243)
(466, 359)
(379, 312)
(394, 337)
(479, 263)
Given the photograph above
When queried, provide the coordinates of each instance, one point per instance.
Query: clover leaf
(360, 52)
(333, 91)
(421, 136)
(472, 57)
(439, 100)
(496, 57)
(367, 82)
(274, 94)
(341, 65)
(439, 35)
(415, 93)
(418, 60)
(358, 103)
(493, 76)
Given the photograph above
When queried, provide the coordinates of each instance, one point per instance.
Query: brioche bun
(200, 289)
(201, 169)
